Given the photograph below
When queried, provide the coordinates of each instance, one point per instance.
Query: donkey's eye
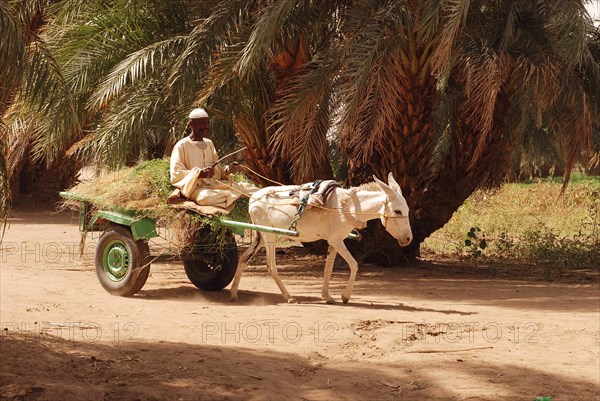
(398, 212)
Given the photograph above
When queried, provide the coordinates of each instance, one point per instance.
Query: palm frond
(443, 117)
(211, 42)
(19, 130)
(268, 26)
(430, 13)
(90, 42)
(221, 72)
(455, 14)
(122, 134)
(49, 95)
(134, 67)
(510, 26)
(375, 61)
(249, 105)
(486, 77)
(12, 51)
(573, 126)
(302, 118)
(570, 24)
(4, 182)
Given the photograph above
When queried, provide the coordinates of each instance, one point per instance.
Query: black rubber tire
(212, 271)
(137, 254)
(144, 264)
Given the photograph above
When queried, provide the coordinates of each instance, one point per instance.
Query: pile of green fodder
(143, 190)
(530, 222)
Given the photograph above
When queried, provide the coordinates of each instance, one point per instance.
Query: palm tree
(4, 187)
(12, 45)
(92, 83)
(517, 66)
(238, 71)
(439, 93)
(11, 54)
(593, 167)
(56, 103)
(32, 87)
(134, 68)
(262, 57)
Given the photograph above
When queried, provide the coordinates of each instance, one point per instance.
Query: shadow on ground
(49, 368)
(424, 281)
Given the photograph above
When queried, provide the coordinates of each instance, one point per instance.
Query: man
(195, 172)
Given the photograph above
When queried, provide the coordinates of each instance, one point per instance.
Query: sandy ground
(423, 332)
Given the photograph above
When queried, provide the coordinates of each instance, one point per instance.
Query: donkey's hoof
(345, 299)
(233, 299)
(330, 301)
(292, 300)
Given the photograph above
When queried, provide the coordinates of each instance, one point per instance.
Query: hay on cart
(143, 190)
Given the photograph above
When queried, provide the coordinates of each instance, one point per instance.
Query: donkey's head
(395, 212)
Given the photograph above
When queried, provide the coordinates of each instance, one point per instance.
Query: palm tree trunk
(432, 199)
(265, 164)
(457, 180)
(403, 152)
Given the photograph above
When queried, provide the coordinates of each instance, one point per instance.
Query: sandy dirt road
(408, 333)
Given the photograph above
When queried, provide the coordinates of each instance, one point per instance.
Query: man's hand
(207, 172)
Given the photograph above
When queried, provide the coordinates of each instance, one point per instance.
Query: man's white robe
(187, 159)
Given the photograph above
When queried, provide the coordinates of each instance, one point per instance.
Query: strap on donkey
(303, 202)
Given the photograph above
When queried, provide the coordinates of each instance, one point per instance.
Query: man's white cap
(198, 113)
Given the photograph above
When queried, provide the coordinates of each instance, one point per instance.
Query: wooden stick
(253, 376)
(229, 154)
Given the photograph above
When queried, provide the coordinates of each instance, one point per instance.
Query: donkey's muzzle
(405, 241)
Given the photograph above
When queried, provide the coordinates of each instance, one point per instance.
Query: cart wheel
(212, 271)
(122, 264)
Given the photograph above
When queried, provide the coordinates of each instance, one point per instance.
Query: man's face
(200, 125)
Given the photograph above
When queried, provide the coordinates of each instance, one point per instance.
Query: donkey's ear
(386, 188)
(393, 184)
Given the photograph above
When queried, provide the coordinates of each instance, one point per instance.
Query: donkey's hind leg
(257, 243)
(327, 275)
(344, 253)
(272, 268)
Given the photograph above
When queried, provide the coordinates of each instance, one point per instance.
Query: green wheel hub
(116, 260)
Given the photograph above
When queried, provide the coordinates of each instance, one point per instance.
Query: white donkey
(346, 210)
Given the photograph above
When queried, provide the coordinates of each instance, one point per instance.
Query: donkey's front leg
(344, 253)
(272, 267)
(327, 274)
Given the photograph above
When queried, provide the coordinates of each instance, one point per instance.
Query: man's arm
(178, 169)
(216, 171)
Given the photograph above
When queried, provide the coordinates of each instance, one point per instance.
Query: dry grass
(528, 221)
(143, 191)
